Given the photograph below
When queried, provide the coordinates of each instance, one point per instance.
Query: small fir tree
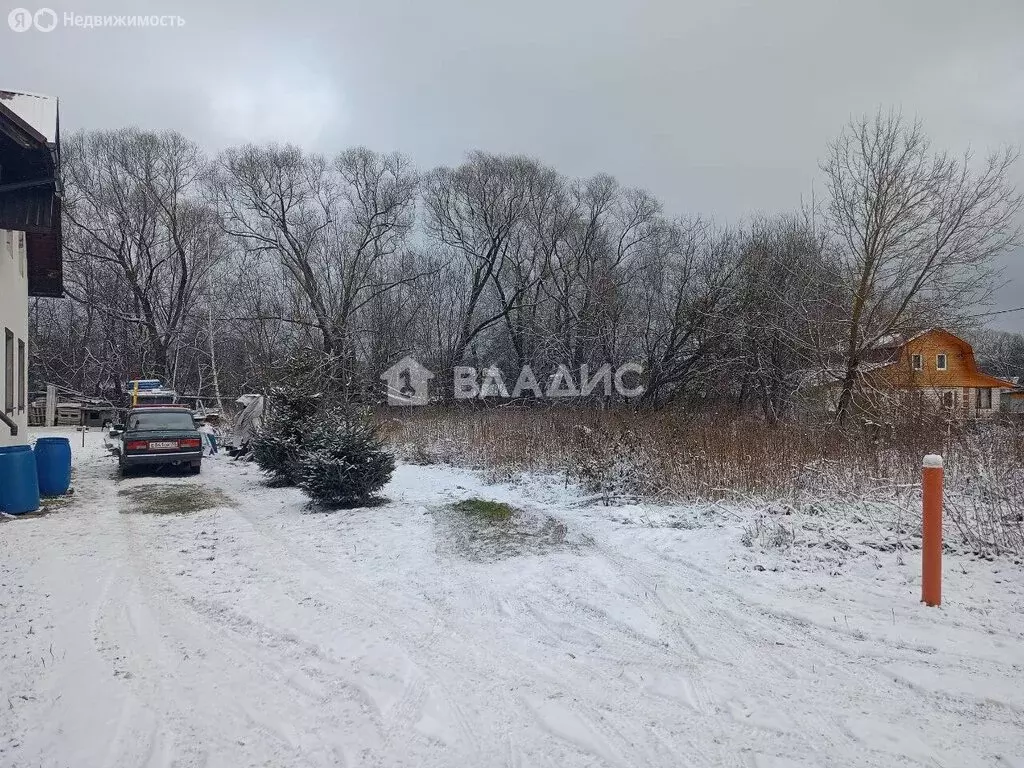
(279, 440)
(342, 462)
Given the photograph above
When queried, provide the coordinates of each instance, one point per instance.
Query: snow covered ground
(254, 632)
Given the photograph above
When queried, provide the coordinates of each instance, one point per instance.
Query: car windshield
(160, 420)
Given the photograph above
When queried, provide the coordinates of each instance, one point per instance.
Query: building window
(22, 377)
(948, 399)
(8, 370)
(940, 362)
(983, 399)
(917, 362)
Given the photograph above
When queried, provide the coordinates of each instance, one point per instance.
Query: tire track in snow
(863, 673)
(319, 657)
(353, 600)
(815, 655)
(726, 646)
(164, 662)
(427, 651)
(302, 581)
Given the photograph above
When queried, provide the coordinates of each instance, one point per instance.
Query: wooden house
(938, 366)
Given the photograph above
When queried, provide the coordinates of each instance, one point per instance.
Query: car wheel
(125, 470)
(195, 468)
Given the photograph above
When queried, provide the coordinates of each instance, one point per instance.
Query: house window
(983, 399)
(917, 362)
(8, 370)
(948, 399)
(23, 377)
(940, 362)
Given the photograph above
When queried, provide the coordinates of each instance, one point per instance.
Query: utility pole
(209, 315)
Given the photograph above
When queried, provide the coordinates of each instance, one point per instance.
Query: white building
(30, 240)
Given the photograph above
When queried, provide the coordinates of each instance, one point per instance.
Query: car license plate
(163, 445)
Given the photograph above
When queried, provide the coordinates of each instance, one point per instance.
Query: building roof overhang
(30, 193)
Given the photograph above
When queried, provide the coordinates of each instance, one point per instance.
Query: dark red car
(159, 436)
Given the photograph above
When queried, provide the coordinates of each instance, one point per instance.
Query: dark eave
(18, 130)
(30, 199)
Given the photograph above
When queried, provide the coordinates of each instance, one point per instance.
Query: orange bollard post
(931, 531)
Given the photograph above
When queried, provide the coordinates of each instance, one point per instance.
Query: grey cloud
(721, 108)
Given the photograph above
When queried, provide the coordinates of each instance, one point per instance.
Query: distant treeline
(232, 273)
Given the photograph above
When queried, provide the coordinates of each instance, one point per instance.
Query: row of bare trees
(226, 274)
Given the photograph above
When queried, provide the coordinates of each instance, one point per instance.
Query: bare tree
(139, 238)
(478, 214)
(591, 269)
(687, 282)
(916, 231)
(1000, 353)
(784, 312)
(335, 229)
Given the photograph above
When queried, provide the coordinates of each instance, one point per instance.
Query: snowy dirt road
(248, 631)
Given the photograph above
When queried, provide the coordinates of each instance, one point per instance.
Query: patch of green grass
(168, 499)
(488, 510)
(482, 530)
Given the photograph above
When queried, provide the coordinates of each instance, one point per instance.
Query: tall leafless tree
(916, 231)
(478, 215)
(139, 238)
(784, 312)
(688, 280)
(334, 228)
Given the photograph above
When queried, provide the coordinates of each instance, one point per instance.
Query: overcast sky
(719, 107)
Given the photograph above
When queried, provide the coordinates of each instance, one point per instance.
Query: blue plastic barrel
(19, 485)
(53, 464)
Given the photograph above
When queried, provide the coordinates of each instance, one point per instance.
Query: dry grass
(170, 499)
(674, 456)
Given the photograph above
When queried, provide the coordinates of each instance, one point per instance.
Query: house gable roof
(898, 349)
